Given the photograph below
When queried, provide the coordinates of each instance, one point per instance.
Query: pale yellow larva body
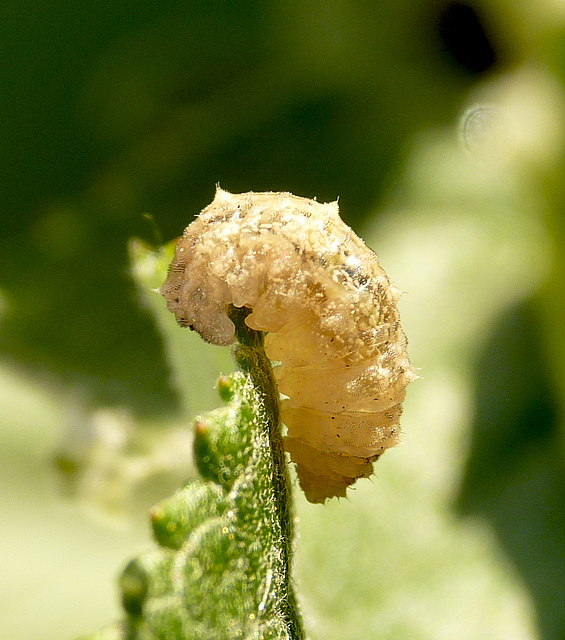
(331, 316)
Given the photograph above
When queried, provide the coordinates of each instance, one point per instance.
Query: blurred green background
(440, 126)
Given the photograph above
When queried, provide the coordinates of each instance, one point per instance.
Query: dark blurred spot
(465, 38)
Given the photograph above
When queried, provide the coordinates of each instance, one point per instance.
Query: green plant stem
(251, 357)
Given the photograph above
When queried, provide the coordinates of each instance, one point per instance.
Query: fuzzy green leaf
(222, 567)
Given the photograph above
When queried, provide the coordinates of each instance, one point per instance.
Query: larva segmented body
(330, 314)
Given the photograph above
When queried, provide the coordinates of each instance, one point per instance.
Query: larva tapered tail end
(326, 474)
(318, 489)
(331, 451)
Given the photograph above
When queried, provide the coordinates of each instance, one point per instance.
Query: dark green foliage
(114, 110)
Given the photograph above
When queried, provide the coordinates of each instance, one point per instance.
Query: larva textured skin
(330, 314)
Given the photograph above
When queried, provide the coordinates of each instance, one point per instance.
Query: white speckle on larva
(330, 314)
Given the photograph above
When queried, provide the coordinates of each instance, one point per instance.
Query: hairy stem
(251, 357)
